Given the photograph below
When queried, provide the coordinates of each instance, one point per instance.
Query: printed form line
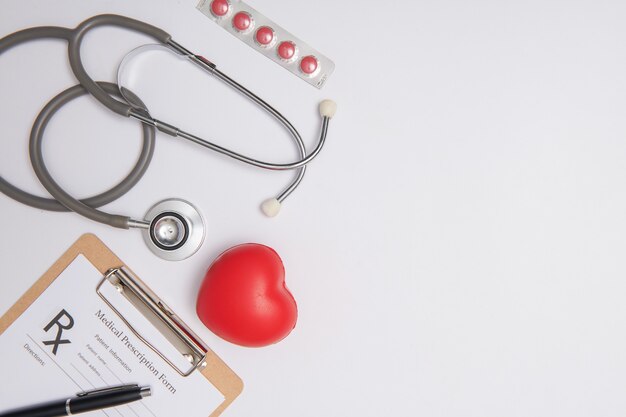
(92, 386)
(63, 370)
(90, 383)
(55, 362)
(121, 382)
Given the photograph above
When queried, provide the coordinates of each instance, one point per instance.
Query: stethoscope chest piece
(176, 229)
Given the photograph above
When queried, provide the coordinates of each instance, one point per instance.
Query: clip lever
(160, 315)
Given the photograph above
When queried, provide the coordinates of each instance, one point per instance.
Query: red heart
(244, 299)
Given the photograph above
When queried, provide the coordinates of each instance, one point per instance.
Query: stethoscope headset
(173, 229)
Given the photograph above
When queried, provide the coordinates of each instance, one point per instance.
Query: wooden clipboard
(92, 248)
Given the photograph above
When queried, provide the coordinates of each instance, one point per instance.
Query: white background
(456, 250)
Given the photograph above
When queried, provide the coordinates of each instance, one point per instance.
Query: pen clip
(106, 389)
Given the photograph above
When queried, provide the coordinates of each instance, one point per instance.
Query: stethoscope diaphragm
(175, 229)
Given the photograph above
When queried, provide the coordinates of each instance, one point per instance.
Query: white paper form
(69, 341)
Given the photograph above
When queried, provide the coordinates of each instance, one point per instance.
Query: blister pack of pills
(268, 38)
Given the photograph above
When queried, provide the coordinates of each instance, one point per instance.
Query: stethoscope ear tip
(328, 108)
(271, 207)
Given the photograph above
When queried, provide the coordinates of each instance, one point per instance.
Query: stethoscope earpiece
(175, 229)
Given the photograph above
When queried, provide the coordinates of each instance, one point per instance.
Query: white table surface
(456, 250)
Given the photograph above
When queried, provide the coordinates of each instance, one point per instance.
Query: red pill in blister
(242, 21)
(220, 8)
(265, 36)
(309, 65)
(287, 50)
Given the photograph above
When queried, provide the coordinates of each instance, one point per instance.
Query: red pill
(242, 21)
(287, 50)
(265, 36)
(220, 8)
(308, 65)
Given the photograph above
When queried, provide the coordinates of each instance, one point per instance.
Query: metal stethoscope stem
(174, 131)
(142, 115)
(271, 206)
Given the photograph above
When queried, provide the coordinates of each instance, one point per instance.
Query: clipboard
(201, 358)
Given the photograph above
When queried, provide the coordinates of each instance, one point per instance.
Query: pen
(84, 401)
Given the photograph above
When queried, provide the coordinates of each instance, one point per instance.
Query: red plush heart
(244, 299)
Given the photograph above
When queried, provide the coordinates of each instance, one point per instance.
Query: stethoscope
(173, 229)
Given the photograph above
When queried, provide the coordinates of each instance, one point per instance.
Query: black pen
(84, 401)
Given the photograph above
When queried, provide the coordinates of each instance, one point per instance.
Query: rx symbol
(69, 323)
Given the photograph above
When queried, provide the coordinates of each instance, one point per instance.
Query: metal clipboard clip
(159, 314)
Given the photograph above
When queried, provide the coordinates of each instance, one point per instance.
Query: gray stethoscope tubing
(103, 93)
(44, 176)
(62, 200)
